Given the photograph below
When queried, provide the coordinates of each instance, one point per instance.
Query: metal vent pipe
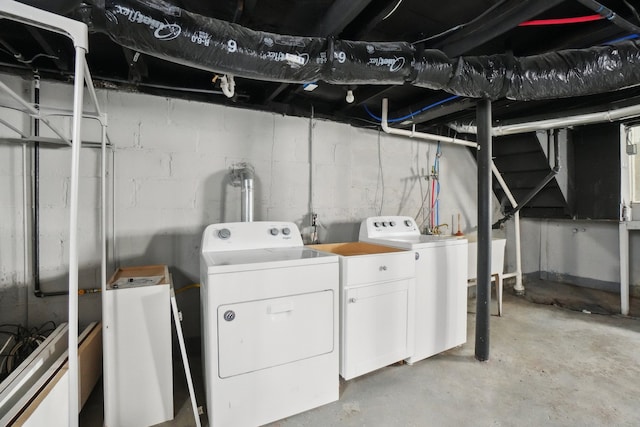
(242, 175)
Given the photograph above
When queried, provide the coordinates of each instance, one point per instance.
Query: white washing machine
(269, 323)
(441, 281)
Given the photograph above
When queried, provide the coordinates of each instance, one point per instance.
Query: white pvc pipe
(103, 220)
(78, 88)
(563, 122)
(107, 303)
(503, 184)
(228, 85)
(623, 233)
(420, 135)
(519, 288)
(103, 210)
(114, 246)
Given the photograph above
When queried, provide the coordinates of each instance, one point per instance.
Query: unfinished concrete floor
(552, 365)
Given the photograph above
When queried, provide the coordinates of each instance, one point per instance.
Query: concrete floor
(553, 362)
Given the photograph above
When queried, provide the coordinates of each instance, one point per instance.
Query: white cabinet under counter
(377, 291)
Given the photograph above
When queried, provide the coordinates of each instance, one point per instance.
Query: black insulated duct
(60, 7)
(160, 29)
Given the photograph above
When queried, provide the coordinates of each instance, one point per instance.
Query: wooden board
(354, 248)
(51, 401)
(17, 390)
(90, 363)
(142, 271)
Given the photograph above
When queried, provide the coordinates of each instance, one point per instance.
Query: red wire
(560, 21)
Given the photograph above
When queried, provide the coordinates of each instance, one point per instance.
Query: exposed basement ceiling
(460, 28)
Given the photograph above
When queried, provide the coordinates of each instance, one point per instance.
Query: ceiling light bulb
(350, 98)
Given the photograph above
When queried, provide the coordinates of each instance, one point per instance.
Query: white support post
(519, 287)
(624, 268)
(76, 142)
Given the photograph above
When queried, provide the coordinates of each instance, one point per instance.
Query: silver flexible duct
(242, 175)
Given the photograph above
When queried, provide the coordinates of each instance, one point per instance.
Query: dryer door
(261, 334)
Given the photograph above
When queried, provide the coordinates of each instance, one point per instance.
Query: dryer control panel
(388, 226)
(250, 235)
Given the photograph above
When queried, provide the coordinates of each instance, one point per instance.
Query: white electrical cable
(392, 10)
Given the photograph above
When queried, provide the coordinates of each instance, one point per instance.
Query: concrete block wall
(168, 177)
(585, 253)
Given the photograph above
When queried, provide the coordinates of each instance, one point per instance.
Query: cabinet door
(375, 326)
(441, 300)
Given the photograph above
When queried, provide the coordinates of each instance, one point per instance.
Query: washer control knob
(408, 222)
(384, 224)
(286, 231)
(274, 231)
(376, 224)
(392, 223)
(224, 234)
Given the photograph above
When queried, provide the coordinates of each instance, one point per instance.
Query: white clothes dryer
(269, 323)
(441, 281)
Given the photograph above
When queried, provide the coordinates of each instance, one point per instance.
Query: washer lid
(416, 241)
(253, 259)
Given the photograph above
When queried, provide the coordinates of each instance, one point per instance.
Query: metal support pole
(483, 300)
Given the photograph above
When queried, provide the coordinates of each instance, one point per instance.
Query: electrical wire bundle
(18, 342)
